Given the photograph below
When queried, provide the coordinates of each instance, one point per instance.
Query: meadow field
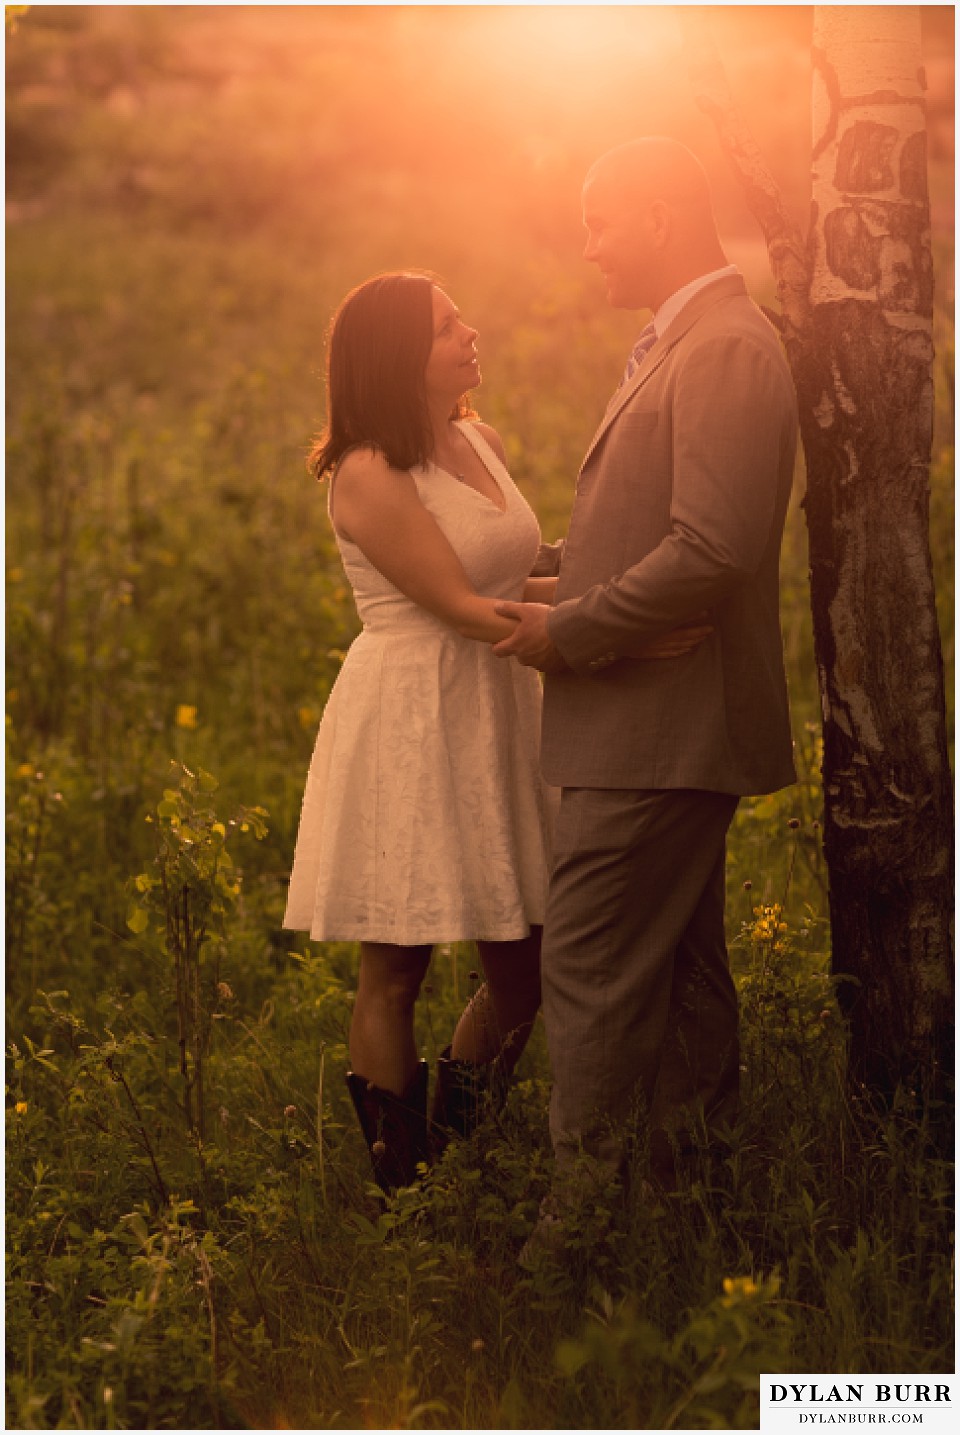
(193, 1240)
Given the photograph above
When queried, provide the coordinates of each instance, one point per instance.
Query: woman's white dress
(424, 817)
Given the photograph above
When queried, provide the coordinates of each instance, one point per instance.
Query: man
(679, 508)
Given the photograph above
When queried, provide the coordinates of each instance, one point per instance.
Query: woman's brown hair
(380, 340)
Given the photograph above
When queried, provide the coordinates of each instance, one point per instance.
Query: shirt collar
(671, 307)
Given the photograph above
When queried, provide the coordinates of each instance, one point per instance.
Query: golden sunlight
(576, 45)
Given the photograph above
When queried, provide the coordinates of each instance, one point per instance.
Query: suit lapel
(688, 316)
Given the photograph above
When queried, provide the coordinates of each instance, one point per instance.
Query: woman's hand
(679, 641)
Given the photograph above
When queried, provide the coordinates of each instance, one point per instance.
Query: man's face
(620, 241)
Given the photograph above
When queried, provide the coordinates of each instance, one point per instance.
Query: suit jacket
(680, 507)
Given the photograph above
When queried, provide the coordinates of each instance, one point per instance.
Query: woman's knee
(392, 977)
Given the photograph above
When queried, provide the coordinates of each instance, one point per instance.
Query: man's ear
(660, 221)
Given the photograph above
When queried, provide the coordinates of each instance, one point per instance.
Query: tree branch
(786, 246)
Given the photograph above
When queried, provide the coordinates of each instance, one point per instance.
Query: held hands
(529, 642)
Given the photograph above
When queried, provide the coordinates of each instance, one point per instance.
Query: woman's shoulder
(489, 433)
(365, 465)
(366, 488)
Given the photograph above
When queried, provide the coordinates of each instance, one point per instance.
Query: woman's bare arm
(378, 508)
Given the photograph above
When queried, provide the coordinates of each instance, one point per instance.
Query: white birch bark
(857, 296)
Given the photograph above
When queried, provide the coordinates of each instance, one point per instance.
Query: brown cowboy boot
(463, 1094)
(395, 1127)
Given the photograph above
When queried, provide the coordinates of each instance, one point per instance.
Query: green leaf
(570, 1357)
(137, 920)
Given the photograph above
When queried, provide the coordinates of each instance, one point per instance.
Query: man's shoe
(547, 1240)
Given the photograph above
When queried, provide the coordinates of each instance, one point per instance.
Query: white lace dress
(424, 817)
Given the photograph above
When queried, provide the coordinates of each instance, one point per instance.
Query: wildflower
(379, 1148)
(768, 922)
(21, 1108)
(825, 1014)
(748, 885)
(25, 769)
(186, 716)
(794, 823)
(478, 1345)
(289, 1112)
(225, 991)
(474, 976)
(738, 1288)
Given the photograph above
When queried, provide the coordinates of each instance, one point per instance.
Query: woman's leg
(382, 1047)
(500, 1017)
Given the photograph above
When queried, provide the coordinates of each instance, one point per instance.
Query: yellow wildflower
(186, 716)
(738, 1288)
(21, 1108)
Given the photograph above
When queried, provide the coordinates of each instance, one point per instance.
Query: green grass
(174, 597)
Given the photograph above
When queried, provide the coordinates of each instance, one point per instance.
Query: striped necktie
(642, 347)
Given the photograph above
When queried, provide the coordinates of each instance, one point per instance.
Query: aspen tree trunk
(857, 300)
(888, 819)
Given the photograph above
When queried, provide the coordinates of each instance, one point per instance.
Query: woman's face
(452, 367)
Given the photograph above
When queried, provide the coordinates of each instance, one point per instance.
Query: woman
(424, 817)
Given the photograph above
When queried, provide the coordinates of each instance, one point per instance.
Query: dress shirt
(671, 307)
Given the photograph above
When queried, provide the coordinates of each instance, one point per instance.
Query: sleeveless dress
(425, 818)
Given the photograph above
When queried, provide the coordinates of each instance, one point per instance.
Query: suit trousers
(638, 1001)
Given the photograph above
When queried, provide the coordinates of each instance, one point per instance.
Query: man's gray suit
(680, 507)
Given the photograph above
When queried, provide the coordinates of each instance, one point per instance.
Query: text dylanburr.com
(813, 1402)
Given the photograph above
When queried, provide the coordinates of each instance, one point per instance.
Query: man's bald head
(649, 217)
(654, 168)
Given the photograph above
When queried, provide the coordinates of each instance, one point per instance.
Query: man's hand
(530, 642)
(679, 641)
